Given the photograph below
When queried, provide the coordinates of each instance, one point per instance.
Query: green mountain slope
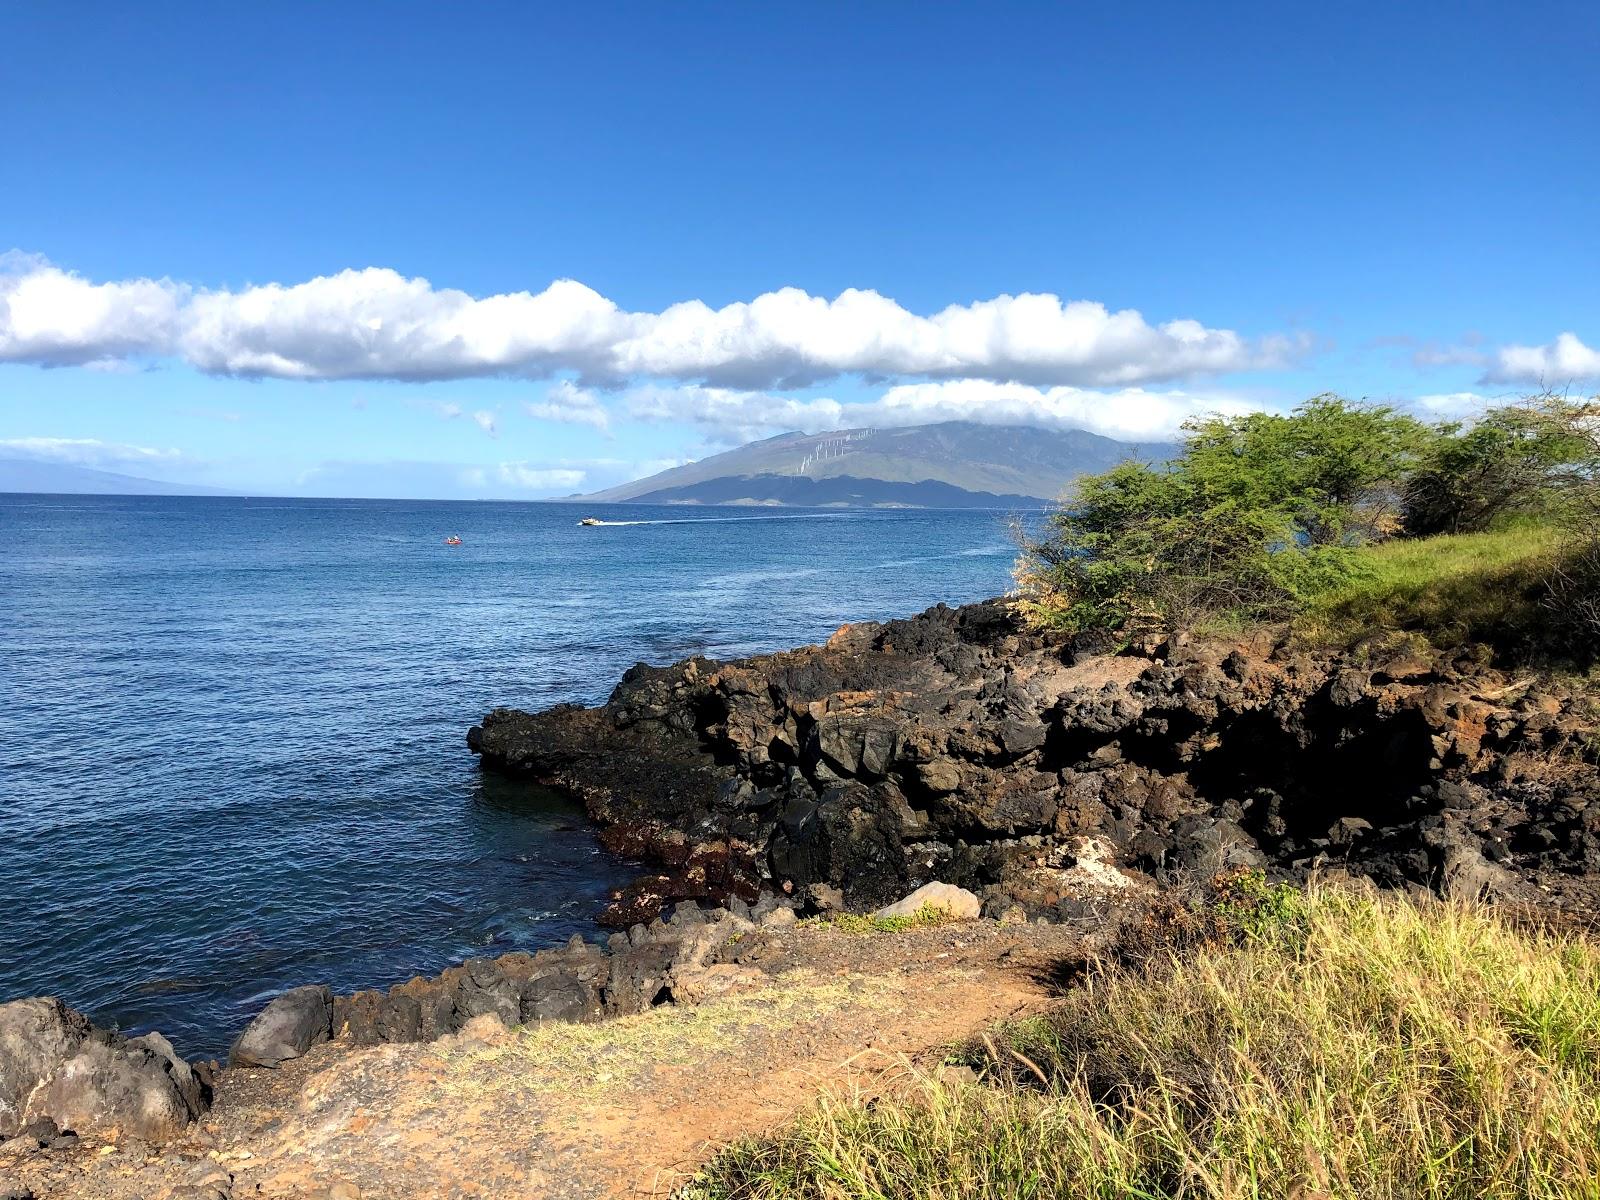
(888, 466)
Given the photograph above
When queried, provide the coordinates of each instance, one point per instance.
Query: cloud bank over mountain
(87, 452)
(1128, 413)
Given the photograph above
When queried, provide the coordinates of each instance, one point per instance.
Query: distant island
(32, 475)
(952, 464)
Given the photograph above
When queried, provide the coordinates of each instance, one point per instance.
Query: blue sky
(288, 248)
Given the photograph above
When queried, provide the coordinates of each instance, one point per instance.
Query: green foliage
(1478, 587)
(1259, 512)
(1517, 458)
(1392, 1049)
(1143, 548)
(1266, 516)
(1248, 904)
(1330, 466)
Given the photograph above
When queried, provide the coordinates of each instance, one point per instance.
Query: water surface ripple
(231, 731)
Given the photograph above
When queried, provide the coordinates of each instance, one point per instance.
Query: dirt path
(619, 1109)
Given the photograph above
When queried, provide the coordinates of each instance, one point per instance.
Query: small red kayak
(452, 541)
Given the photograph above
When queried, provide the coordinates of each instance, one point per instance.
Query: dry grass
(596, 1058)
(1351, 1046)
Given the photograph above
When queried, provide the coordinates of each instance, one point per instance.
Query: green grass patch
(1452, 589)
(858, 923)
(1359, 1047)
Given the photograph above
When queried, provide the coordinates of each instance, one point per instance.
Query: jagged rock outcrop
(58, 1072)
(959, 746)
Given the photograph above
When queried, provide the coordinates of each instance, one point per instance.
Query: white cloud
(483, 418)
(53, 318)
(571, 404)
(1554, 364)
(738, 416)
(1453, 404)
(522, 475)
(789, 338)
(442, 480)
(377, 324)
(1133, 414)
(84, 452)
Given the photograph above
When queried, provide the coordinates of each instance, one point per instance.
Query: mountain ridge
(943, 464)
(32, 476)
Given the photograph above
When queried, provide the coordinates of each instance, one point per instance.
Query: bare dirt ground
(618, 1109)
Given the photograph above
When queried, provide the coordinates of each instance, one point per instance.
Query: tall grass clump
(1364, 1047)
(1490, 586)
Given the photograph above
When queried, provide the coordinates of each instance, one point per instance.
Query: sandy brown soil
(622, 1108)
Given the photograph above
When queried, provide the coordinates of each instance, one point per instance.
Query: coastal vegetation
(1333, 1042)
(1490, 587)
(848, 922)
(1346, 516)
(1251, 1038)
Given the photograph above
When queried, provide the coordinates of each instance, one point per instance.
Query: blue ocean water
(232, 752)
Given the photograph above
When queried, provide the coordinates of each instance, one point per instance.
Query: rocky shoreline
(1053, 782)
(957, 745)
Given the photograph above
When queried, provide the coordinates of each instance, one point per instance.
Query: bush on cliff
(1356, 1046)
(1258, 512)
(1139, 548)
(1330, 467)
(1265, 516)
(1517, 459)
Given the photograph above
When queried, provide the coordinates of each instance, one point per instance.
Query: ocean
(232, 753)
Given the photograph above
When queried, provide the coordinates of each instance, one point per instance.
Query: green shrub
(928, 914)
(1257, 513)
(1331, 466)
(1141, 549)
(1247, 903)
(1266, 516)
(1518, 458)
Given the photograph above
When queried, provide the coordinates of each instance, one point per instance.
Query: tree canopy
(1260, 511)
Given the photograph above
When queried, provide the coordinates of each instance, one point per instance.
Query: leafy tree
(1256, 512)
(1331, 466)
(1139, 548)
(1514, 459)
(1263, 511)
